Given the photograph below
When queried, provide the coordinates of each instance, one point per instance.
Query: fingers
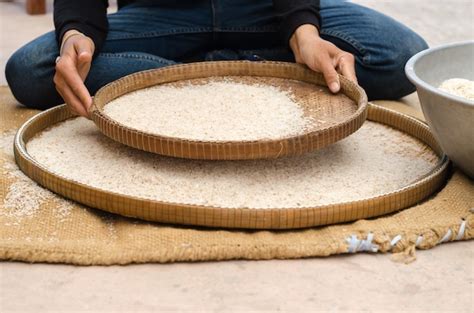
(323, 56)
(70, 85)
(70, 98)
(330, 74)
(66, 67)
(323, 63)
(346, 66)
(71, 71)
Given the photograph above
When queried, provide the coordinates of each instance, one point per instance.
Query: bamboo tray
(284, 218)
(343, 114)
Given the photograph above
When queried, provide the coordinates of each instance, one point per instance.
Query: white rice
(459, 87)
(215, 111)
(24, 197)
(375, 160)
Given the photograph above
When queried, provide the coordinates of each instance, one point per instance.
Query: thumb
(83, 50)
(84, 57)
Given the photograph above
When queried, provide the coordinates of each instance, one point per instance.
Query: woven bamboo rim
(228, 150)
(285, 218)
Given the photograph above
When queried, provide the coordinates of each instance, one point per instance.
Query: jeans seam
(279, 49)
(255, 29)
(352, 42)
(180, 31)
(132, 55)
(176, 31)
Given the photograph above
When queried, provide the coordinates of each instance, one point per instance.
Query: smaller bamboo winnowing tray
(69, 156)
(342, 114)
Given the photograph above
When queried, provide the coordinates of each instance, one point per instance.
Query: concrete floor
(440, 280)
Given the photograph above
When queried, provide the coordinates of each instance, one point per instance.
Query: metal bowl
(451, 118)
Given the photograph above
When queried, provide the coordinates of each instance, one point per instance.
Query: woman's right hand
(322, 56)
(72, 68)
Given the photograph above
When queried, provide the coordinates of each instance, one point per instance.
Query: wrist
(72, 33)
(306, 31)
(302, 33)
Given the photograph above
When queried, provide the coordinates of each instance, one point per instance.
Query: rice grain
(374, 160)
(459, 87)
(215, 111)
(24, 197)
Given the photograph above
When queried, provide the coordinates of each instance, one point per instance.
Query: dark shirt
(90, 17)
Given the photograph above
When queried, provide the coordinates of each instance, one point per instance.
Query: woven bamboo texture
(342, 114)
(287, 218)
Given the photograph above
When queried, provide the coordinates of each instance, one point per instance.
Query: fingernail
(334, 87)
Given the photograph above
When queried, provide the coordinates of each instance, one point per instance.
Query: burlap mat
(59, 231)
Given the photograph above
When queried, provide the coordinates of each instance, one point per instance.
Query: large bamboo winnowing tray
(253, 218)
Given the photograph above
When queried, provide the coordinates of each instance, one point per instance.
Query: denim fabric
(143, 36)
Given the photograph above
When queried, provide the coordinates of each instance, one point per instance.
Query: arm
(81, 28)
(294, 13)
(86, 16)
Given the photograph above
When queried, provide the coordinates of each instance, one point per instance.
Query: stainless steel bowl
(451, 118)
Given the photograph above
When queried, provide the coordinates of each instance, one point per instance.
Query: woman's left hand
(322, 56)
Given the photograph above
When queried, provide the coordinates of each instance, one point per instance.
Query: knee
(29, 82)
(29, 74)
(412, 44)
(387, 79)
(15, 75)
(408, 47)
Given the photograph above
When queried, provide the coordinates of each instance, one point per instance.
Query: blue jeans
(143, 36)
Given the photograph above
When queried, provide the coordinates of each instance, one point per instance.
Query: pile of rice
(375, 160)
(459, 87)
(215, 111)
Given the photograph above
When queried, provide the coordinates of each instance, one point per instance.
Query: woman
(90, 49)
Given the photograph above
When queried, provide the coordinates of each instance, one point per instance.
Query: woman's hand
(322, 56)
(72, 68)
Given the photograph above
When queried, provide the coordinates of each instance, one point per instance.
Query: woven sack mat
(63, 232)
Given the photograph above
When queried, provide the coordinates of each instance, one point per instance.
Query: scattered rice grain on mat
(24, 197)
